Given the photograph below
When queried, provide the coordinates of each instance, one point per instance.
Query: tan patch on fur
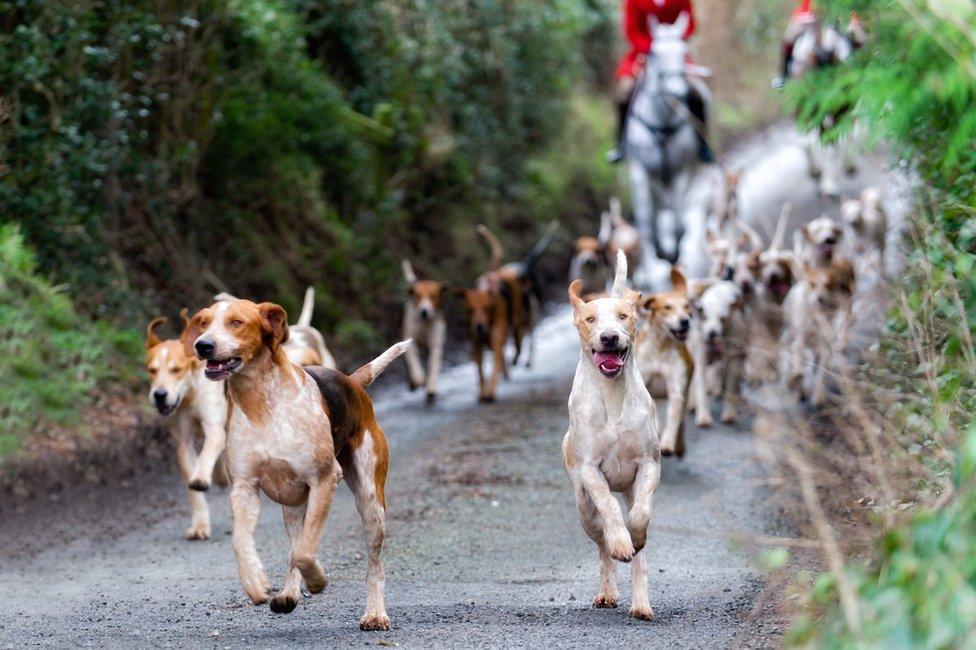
(429, 290)
(587, 244)
(308, 357)
(280, 481)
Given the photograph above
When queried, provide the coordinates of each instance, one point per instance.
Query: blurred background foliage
(154, 152)
(914, 87)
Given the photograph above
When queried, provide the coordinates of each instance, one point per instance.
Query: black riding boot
(696, 105)
(616, 154)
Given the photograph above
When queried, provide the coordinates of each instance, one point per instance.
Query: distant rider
(803, 16)
(637, 29)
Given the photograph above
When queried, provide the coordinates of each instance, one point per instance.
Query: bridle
(674, 121)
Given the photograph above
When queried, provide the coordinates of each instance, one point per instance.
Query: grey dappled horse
(661, 143)
(817, 47)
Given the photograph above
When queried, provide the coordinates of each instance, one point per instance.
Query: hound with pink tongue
(609, 363)
(612, 443)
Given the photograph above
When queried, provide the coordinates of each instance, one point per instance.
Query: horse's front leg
(642, 197)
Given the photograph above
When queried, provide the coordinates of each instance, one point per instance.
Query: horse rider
(637, 29)
(803, 16)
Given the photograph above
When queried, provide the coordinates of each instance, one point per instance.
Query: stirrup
(614, 156)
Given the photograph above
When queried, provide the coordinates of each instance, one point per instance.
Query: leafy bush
(156, 151)
(914, 85)
(53, 359)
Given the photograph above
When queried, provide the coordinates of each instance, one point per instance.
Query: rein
(661, 132)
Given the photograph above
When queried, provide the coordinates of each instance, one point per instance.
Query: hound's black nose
(424, 314)
(159, 396)
(684, 323)
(712, 335)
(609, 340)
(205, 349)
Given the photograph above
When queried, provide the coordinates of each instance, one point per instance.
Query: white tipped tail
(368, 373)
(308, 305)
(620, 278)
(779, 236)
(606, 228)
(616, 212)
(408, 273)
(755, 239)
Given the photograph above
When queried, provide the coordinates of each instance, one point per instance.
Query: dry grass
(881, 450)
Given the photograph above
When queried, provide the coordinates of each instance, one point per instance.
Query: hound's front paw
(619, 545)
(283, 604)
(199, 530)
(199, 483)
(641, 612)
(374, 622)
(605, 601)
(703, 419)
(431, 398)
(257, 589)
(729, 416)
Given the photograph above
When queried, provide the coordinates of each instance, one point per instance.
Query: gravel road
(484, 547)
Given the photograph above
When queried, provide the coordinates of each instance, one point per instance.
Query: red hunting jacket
(638, 32)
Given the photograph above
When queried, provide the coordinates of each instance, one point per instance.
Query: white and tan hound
(293, 433)
(191, 406)
(612, 445)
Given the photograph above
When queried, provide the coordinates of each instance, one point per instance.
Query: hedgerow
(53, 358)
(157, 151)
(914, 87)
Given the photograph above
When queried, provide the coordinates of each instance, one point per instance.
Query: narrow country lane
(484, 547)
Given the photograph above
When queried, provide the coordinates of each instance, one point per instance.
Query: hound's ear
(678, 281)
(838, 231)
(806, 232)
(575, 289)
(191, 332)
(648, 303)
(185, 317)
(754, 261)
(152, 340)
(274, 324)
(698, 287)
(407, 269)
(633, 297)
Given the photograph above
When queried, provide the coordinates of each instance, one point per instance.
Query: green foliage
(53, 359)
(156, 149)
(914, 86)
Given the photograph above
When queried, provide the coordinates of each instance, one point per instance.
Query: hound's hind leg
(365, 473)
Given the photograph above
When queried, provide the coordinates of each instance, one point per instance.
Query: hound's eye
(204, 324)
(175, 370)
(236, 323)
(622, 316)
(153, 371)
(667, 308)
(590, 319)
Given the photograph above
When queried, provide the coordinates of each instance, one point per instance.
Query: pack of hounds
(765, 313)
(275, 415)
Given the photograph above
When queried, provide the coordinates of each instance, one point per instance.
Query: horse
(661, 141)
(819, 47)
